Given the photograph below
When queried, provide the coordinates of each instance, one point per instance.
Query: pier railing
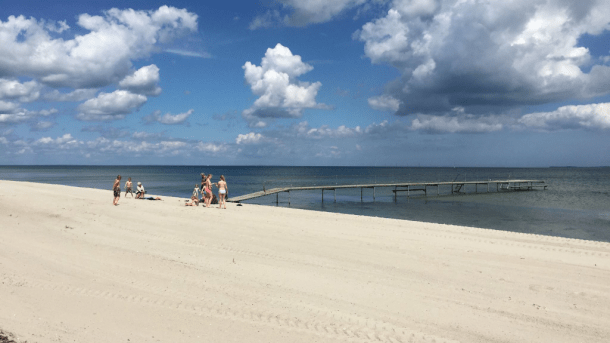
(456, 187)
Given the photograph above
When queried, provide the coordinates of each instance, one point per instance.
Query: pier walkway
(457, 187)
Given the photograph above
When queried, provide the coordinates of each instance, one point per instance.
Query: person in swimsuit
(222, 192)
(128, 188)
(203, 177)
(208, 190)
(193, 202)
(196, 191)
(117, 190)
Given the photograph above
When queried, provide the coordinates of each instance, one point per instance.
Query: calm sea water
(575, 205)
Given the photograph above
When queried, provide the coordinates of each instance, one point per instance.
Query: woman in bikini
(222, 192)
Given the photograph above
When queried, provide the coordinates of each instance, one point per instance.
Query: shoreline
(74, 267)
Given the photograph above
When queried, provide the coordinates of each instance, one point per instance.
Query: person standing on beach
(222, 192)
(208, 190)
(117, 190)
(196, 192)
(128, 186)
(203, 177)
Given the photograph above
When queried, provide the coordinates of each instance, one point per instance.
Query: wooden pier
(457, 187)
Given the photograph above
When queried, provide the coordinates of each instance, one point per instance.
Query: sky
(485, 83)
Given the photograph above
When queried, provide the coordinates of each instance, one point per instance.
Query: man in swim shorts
(117, 190)
(128, 188)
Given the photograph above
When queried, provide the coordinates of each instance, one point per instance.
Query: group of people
(140, 191)
(205, 189)
(207, 196)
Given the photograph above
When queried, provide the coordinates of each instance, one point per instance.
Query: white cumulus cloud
(100, 57)
(592, 116)
(249, 138)
(15, 90)
(110, 106)
(280, 93)
(143, 81)
(487, 55)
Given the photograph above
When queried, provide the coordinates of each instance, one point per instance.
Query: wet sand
(75, 268)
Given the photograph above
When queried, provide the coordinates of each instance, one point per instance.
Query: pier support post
(373, 193)
(488, 187)
(288, 198)
(437, 189)
(277, 198)
(335, 190)
(360, 194)
(394, 193)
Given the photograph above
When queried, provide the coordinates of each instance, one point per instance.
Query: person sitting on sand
(222, 192)
(128, 188)
(193, 202)
(140, 191)
(116, 188)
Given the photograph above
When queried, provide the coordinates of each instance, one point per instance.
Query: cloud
(304, 130)
(8, 107)
(64, 142)
(167, 118)
(23, 92)
(211, 147)
(73, 96)
(95, 59)
(302, 13)
(110, 106)
(386, 129)
(249, 138)
(42, 126)
(384, 103)
(143, 81)
(487, 56)
(592, 116)
(189, 53)
(17, 115)
(281, 95)
(457, 124)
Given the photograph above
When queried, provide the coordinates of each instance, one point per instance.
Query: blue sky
(288, 82)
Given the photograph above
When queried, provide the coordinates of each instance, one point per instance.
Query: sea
(576, 203)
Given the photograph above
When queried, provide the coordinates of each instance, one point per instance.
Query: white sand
(74, 268)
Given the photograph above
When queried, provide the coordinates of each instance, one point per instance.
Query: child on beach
(116, 188)
(222, 192)
(128, 188)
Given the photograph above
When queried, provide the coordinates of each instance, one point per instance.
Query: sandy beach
(74, 268)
